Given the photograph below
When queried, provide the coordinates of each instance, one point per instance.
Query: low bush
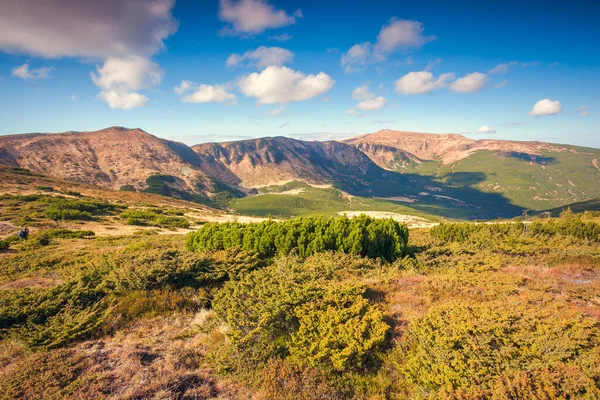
(364, 236)
(477, 350)
(4, 245)
(68, 234)
(294, 308)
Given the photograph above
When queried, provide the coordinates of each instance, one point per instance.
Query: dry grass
(160, 358)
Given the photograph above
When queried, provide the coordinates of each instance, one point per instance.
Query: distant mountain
(116, 158)
(448, 175)
(533, 175)
(275, 160)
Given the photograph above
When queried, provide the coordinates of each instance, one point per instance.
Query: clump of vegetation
(153, 218)
(69, 234)
(4, 245)
(296, 309)
(567, 226)
(364, 236)
(503, 348)
(61, 208)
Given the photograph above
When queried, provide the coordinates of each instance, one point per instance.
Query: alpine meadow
(294, 200)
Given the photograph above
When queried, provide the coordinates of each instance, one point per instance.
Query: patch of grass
(153, 218)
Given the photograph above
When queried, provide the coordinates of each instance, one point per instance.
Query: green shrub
(472, 348)
(68, 234)
(566, 226)
(295, 308)
(364, 236)
(339, 331)
(4, 245)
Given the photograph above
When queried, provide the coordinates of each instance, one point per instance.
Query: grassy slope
(557, 180)
(313, 201)
(168, 353)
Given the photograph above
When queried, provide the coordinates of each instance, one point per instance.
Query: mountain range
(439, 174)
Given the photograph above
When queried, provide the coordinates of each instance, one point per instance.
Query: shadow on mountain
(463, 178)
(436, 198)
(533, 158)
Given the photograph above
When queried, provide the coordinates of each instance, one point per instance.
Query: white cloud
(357, 57)
(398, 34)
(253, 16)
(120, 78)
(509, 66)
(123, 100)
(486, 129)
(469, 83)
(501, 84)
(546, 107)
(89, 29)
(583, 111)
(367, 100)
(433, 64)
(422, 82)
(203, 93)
(372, 104)
(282, 85)
(24, 72)
(276, 111)
(209, 94)
(131, 73)
(122, 34)
(284, 37)
(261, 57)
(502, 68)
(183, 87)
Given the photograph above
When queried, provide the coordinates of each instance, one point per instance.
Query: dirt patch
(401, 199)
(31, 283)
(6, 228)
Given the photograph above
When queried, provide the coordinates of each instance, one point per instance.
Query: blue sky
(322, 70)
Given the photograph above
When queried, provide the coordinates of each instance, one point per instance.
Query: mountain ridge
(409, 167)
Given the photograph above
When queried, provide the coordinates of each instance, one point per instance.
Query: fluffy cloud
(357, 57)
(422, 82)
(398, 34)
(546, 107)
(24, 72)
(469, 83)
(253, 16)
(90, 29)
(486, 129)
(367, 100)
(122, 34)
(120, 78)
(209, 94)
(123, 100)
(203, 93)
(282, 85)
(261, 57)
(183, 87)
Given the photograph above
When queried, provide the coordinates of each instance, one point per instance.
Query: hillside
(273, 160)
(115, 158)
(533, 175)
